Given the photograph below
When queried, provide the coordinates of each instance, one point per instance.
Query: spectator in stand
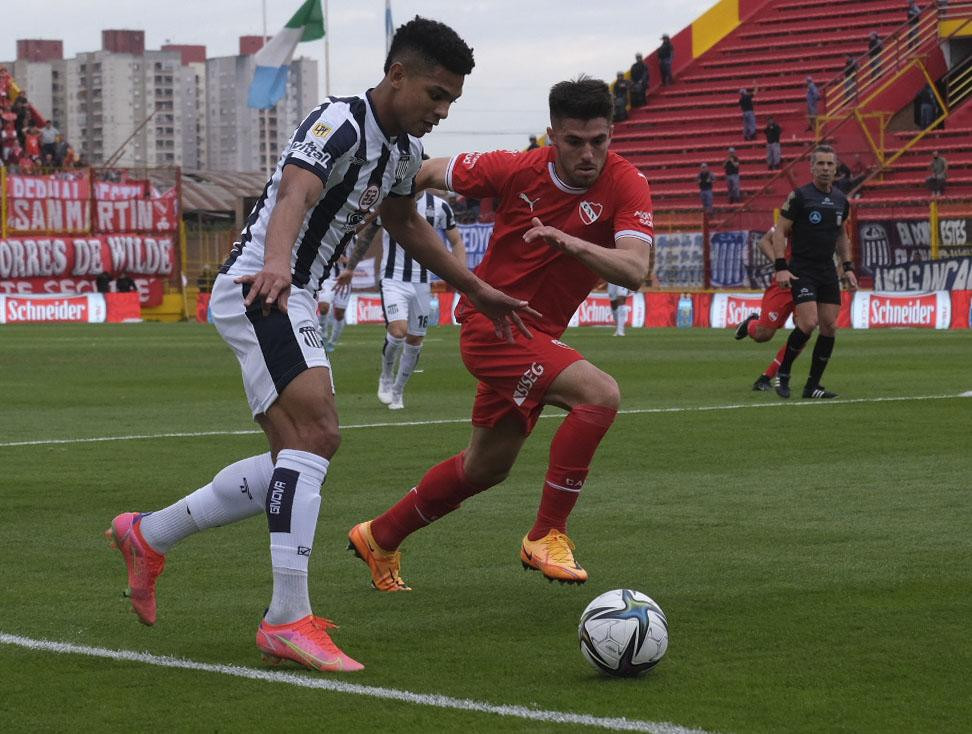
(748, 113)
(21, 108)
(774, 157)
(639, 81)
(61, 149)
(850, 77)
(32, 145)
(8, 138)
(125, 284)
(48, 141)
(706, 179)
(621, 88)
(666, 54)
(103, 282)
(913, 12)
(874, 47)
(533, 143)
(843, 178)
(813, 98)
(731, 167)
(926, 107)
(939, 171)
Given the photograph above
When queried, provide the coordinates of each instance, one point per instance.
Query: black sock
(794, 345)
(821, 354)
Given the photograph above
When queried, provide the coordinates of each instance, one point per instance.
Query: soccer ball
(623, 633)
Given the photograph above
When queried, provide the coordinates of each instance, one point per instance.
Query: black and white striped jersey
(398, 264)
(342, 142)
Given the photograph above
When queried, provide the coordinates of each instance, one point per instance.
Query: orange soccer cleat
(385, 567)
(553, 556)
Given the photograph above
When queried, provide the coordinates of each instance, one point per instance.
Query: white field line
(445, 421)
(310, 680)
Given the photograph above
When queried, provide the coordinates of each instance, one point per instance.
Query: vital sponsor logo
(595, 312)
(54, 309)
(369, 311)
(528, 200)
(369, 197)
(590, 211)
(920, 311)
(312, 337)
(526, 382)
(312, 151)
(321, 130)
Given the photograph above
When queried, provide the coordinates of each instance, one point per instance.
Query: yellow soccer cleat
(552, 555)
(385, 567)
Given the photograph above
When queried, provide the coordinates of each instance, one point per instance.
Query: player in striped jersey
(332, 302)
(405, 295)
(340, 164)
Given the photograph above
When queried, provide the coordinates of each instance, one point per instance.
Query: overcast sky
(521, 48)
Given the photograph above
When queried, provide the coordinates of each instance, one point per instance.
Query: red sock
(571, 452)
(774, 366)
(442, 490)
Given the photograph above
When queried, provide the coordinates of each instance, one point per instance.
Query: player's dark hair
(582, 98)
(822, 149)
(431, 43)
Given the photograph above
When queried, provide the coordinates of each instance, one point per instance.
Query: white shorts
(327, 294)
(617, 291)
(406, 302)
(272, 349)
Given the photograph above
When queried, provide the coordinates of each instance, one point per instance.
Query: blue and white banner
(273, 60)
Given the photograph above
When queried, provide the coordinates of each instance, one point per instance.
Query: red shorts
(513, 378)
(776, 307)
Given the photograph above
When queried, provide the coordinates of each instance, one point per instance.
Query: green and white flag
(273, 60)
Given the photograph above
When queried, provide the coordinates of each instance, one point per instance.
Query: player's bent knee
(321, 437)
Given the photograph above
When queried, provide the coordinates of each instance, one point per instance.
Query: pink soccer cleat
(306, 642)
(144, 564)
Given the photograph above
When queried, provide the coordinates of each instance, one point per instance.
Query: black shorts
(808, 289)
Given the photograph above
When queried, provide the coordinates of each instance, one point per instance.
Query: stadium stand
(774, 48)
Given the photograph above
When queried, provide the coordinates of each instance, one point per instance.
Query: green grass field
(814, 559)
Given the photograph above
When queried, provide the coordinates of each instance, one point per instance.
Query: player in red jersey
(567, 216)
(775, 309)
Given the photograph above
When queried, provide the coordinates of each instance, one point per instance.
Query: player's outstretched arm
(416, 236)
(628, 264)
(299, 191)
(432, 175)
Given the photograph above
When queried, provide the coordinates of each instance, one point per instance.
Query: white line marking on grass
(447, 421)
(328, 684)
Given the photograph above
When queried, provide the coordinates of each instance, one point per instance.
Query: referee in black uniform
(814, 217)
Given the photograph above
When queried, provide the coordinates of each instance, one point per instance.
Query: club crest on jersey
(369, 197)
(590, 211)
(320, 130)
(401, 168)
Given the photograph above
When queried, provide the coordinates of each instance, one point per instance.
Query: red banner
(54, 186)
(874, 310)
(111, 191)
(160, 214)
(52, 309)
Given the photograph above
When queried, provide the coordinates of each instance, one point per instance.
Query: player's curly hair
(583, 98)
(432, 43)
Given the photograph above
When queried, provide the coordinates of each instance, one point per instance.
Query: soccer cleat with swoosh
(305, 642)
(385, 567)
(552, 555)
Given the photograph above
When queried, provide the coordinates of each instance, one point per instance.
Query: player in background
(348, 156)
(569, 215)
(405, 295)
(775, 309)
(814, 218)
(333, 305)
(618, 295)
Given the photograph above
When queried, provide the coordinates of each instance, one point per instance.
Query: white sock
(406, 365)
(337, 326)
(293, 502)
(327, 324)
(389, 353)
(622, 318)
(614, 314)
(237, 491)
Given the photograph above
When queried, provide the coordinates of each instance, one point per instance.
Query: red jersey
(526, 185)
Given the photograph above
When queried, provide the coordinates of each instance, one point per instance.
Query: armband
(780, 264)
(848, 266)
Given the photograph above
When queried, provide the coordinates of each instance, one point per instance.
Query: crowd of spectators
(28, 142)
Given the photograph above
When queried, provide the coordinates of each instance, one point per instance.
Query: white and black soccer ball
(623, 632)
